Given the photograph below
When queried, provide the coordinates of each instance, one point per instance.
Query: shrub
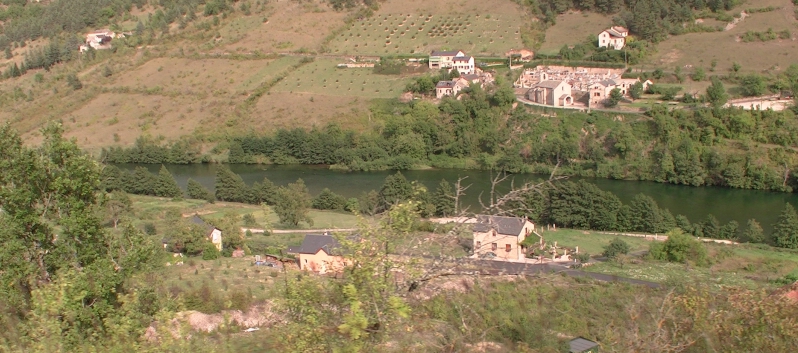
(149, 228)
(74, 82)
(681, 248)
(616, 247)
(249, 220)
(210, 252)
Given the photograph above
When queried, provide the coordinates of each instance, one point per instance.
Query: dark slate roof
(445, 84)
(470, 77)
(444, 52)
(548, 84)
(293, 249)
(313, 243)
(581, 344)
(197, 220)
(462, 58)
(502, 225)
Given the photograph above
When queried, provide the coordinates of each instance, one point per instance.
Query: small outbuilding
(582, 345)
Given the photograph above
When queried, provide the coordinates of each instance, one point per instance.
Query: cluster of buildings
(464, 64)
(558, 85)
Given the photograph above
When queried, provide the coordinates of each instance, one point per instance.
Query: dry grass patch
(289, 110)
(197, 76)
(699, 49)
(573, 28)
(113, 118)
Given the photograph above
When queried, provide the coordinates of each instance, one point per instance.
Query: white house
(214, 234)
(463, 64)
(614, 37)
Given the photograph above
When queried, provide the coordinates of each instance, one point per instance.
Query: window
(306, 260)
(479, 245)
(507, 247)
(493, 246)
(494, 232)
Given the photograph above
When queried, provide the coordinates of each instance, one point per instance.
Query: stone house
(321, 254)
(600, 91)
(213, 234)
(500, 237)
(613, 37)
(450, 88)
(553, 93)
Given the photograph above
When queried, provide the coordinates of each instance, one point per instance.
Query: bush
(74, 82)
(615, 248)
(149, 228)
(210, 252)
(249, 220)
(328, 200)
(680, 248)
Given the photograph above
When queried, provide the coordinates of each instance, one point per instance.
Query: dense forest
(702, 146)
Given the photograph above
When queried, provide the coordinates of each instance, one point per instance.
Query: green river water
(694, 202)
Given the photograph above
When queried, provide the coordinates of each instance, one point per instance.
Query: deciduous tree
(293, 203)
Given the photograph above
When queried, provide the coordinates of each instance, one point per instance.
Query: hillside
(261, 66)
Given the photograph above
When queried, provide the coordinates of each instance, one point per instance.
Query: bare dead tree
(459, 190)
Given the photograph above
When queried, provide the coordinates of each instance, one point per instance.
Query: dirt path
(734, 23)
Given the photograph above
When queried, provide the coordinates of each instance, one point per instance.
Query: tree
(785, 231)
(716, 93)
(111, 178)
(197, 191)
(140, 182)
(395, 189)
(684, 224)
(328, 200)
(117, 204)
(698, 74)
(74, 82)
(444, 199)
(616, 247)
(729, 230)
(229, 185)
(9, 54)
(369, 203)
(107, 72)
(615, 97)
(292, 204)
(681, 248)
(753, 232)
(753, 85)
(711, 227)
(636, 90)
(166, 186)
(52, 239)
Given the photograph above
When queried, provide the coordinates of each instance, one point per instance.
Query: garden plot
(391, 34)
(324, 78)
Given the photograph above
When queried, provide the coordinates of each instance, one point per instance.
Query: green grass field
(421, 33)
(157, 210)
(322, 77)
(590, 242)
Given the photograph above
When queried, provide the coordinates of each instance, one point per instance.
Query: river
(694, 202)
